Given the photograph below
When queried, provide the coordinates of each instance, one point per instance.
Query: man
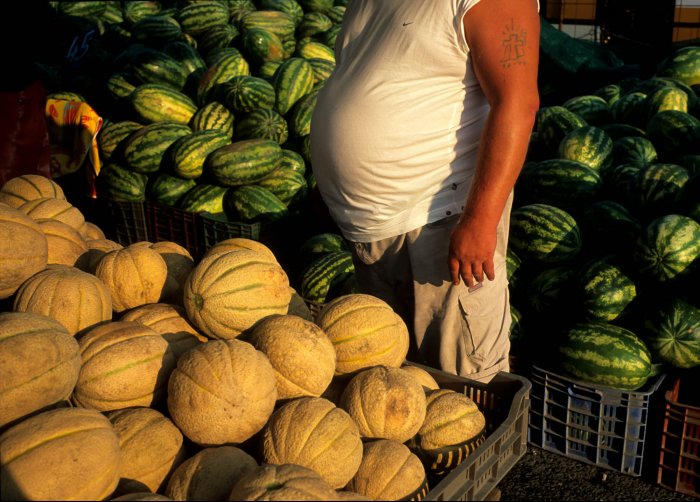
(417, 140)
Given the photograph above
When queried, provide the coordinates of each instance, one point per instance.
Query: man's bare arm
(503, 37)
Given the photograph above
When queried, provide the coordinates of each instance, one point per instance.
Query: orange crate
(679, 455)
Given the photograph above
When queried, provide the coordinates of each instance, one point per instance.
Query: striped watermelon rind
(605, 354)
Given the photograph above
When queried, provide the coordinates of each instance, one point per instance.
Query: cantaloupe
(62, 454)
(451, 419)
(236, 243)
(180, 264)
(348, 495)
(125, 364)
(209, 474)
(58, 209)
(141, 497)
(229, 292)
(90, 231)
(282, 482)
(314, 433)
(300, 353)
(222, 391)
(74, 298)
(23, 249)
(169, 321)
(365, 331)
(298, 307)
(425, 378)
(134, 275)
(97, 248)
(389, 471)
(65, 244)
(39, 364)
(386, 403)
(152, 446)
(26, 187)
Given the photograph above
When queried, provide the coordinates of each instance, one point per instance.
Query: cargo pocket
(484, 321)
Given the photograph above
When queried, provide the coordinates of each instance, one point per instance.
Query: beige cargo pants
(454, 329)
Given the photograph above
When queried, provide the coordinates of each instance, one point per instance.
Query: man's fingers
(454, 271)
(467, 274)
(489, 270)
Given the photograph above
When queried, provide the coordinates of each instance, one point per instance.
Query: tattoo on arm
(514, 39)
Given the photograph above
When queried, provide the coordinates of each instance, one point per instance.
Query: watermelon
(605, 290)
(610, 93)
(261, 46)
(322, 276)
(197, 17)
(156, 30)
(204, 198)
(604, 354)
(300, 115)
(217, 37)
(167, 189)
(293, 79)
(278, 22)
(322, 69)
(187, 154)
(634, 149)
(186, 55)
(658, 186)
(157, 103)
(243, 162)
(609, 226)
(316, 5)
(246, 93)
(213, 116)
(665, 98)
(134, 11)
(156, 67)
(313, 23)
(555, 125)
(617, 130)
(290, 7)
(672, 333)
(112, 135)
(252, 204)
(688, 199)
(593, 109)
(144, 148)
(682, 64)
(119, 183)
(674, 132)
(544, 233)
(567, 184)
(286, 184)
(308, 48)
(292, 160)
(264, 124)
(589, 145)
(629, 109)
(231, 64)
(239, 8)
(120, 84)
(547, 293)
(667, 247)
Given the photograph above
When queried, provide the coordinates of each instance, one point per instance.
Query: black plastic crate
(167, 223)
(125, 222)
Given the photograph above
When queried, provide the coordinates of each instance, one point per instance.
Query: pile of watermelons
(605, 230)
(207, 107)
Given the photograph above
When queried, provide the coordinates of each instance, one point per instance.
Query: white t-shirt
(395, 130)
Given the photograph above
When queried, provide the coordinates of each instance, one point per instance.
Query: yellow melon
(365, 331)
(141, 497)
(209, 474)
(229, 292)
(58, 209)
(125, 364)
(39, 364)
(26, 187)
(425, 378)
(62, 454)
(298, 307)
(23, 249)
(300, 353)
(96, 249)
(389, 471)
(451, 419)
(169, 321)
(386, 403)
(74, 298)
(314, 433)
(134, 275)
(65, 244)
(180, 263)
(152, 446)
(282, 482)
(90, 231)
(236, 243)
(222, 391)
(348, 495)
(335, 389)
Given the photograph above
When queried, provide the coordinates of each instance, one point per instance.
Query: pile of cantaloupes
(137, 373)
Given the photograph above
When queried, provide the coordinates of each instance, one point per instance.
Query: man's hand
(472, 246)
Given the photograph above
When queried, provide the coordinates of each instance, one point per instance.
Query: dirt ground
(543, 475)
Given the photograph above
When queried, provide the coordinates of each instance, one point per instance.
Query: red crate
(679, 455)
